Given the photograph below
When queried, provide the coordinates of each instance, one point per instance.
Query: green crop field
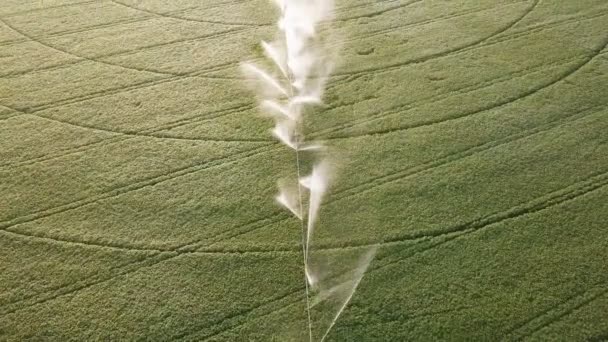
(137, 177)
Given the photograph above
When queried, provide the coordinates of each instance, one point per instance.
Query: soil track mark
(561, 196)
(99, 60)
(509, 100)
(122, 137)
(557, 312)
(8, 225)
(209, 21)
(279, 216)
(449, 51)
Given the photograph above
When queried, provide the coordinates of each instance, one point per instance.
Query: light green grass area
(137, 176)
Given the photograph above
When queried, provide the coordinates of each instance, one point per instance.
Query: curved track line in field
(425, 22)
(343, 194)
(120, 138)
(127, 21)
(561, 77)
(151, 70)
(137, 185)
(451, 93)
(409, 172)
(81, 285)
(439, 96)
(86, 282)
(208, 21)
(409, 106)
(380, 11)
(479, 41)
(593, 293)
(98, 94)
(165, 137)
(98, 60)
(559, 197)
(278, 300)
(84, 29)
(152, 82)
(109, 92)
(147, 133)
(45, 8)
(72, 31)
(362, 188)
(400, 259)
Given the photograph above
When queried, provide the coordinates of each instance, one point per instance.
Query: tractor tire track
(430, 21)
(476, 42)
(165, 137)
(172, 77)
(509, 100)
(558, 311)
(46, 8)
(98, 60)
(369, 185)
(208, 21)
(380, 12)
(437, 97)
(353, 75)
(59, 291)
(209, 116)
(583, 190)
(283, 300)
(560, 196)
(8, 225)
(340, 195)
(460, 91)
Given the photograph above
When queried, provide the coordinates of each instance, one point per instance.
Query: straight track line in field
(556, 312)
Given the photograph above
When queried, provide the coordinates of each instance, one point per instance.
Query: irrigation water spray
(303, 63)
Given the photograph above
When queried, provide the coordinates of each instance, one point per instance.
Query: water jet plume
(318, 183)
(305, 182)
(342, 293)
(310, 277)
(306, 100)
(277, 55)
(285, 133)
(271, 83)
(276, 108)
(289, 200)
(313, 147)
